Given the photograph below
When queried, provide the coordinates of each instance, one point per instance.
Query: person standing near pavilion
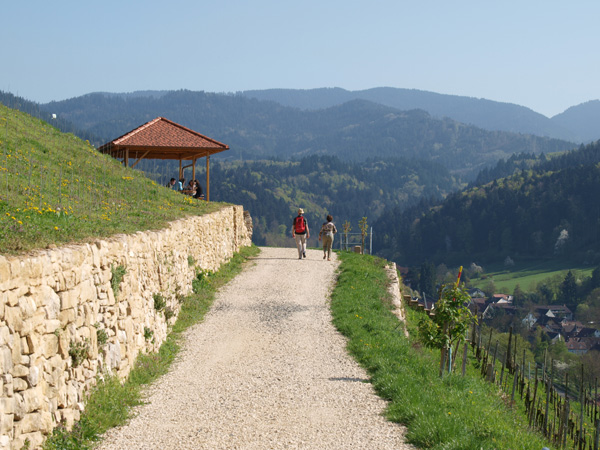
(300, 233)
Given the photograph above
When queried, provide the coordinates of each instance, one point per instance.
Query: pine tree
(568, 289)
(427, 278)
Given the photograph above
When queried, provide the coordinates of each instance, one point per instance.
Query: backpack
(299, 225)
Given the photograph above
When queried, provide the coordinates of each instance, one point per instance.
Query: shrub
(159, 302)
(179, 296)
(101, 336)
(200, 281)
(117, 276)
(79, 351)
(169, 313)
(148, 333)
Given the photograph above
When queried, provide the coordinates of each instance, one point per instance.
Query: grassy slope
(451, 413)
(56, 189)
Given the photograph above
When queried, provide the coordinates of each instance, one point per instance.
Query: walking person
(300, 233)
(328, 229)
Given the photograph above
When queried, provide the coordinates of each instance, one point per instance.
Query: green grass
(451, 413)
(56, 189)
(110, 402)
(527, 274)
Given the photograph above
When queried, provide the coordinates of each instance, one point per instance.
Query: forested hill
(585, 155)
(548, 210)
(355, 130)
(273, 190)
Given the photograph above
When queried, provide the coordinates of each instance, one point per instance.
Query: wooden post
(515, 353)
(180, 171)
(596, 400)
(544, 366)
(548, 389)
(487, 352)
(582, 400)
(479, 343)
(464, 362)
(515, 381)
(207, 195)
(522, 384)
(565, 425)
(494, 363)
(126, 160)
(509, 365)
(194, 169)
(532, 412)
(489, 345)
(442, 360)
(490, 371)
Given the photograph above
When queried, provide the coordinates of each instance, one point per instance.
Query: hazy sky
(540, 54)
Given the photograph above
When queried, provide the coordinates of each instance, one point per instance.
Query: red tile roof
(165, 138)
(161, 132)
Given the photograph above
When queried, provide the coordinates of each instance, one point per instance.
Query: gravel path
(265, 370)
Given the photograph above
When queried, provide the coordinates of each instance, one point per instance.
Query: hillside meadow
(528, 274)
(56, 189)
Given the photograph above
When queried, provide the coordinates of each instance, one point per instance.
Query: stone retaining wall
(61, 323)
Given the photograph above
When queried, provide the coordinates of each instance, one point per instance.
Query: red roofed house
(163, 139)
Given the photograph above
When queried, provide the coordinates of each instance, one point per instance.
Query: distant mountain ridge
(354, 130)
(579, 125)
(582, 119)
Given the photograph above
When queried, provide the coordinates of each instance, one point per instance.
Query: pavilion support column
(126, 159)
(207, 196)
(180, 171)
(194, 169)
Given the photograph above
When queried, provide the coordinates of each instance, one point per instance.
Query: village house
(557, 322)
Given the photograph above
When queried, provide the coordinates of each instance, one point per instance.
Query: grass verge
(109, 403)
(453, 412)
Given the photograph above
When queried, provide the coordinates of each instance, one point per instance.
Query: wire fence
(564, 411)
(349, 241)
(563, 406)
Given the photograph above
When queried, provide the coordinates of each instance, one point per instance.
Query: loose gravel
(266, 369)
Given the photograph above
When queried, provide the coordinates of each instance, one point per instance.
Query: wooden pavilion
(164, 139)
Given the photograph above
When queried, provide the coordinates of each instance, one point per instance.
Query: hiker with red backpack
(300, 233)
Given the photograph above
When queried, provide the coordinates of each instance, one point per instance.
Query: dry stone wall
(61, 323)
